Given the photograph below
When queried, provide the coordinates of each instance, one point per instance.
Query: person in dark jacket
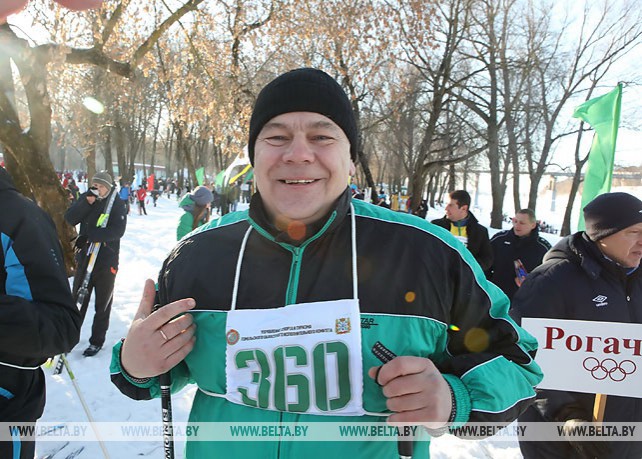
(88, 211)
(592, 275)
(465, 227)
(516, 252)
(38, 316)
(313, 278)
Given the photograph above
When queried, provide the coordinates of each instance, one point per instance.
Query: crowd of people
(446, 299)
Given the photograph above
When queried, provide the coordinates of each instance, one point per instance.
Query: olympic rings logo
(609, 368)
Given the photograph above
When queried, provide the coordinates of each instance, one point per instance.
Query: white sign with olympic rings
(591, 357)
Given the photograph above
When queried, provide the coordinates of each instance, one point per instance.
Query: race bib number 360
(303, 358)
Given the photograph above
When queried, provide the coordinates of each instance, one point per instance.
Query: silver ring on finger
(163, 334)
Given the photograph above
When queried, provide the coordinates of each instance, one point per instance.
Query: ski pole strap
(104, 217)
(122, 368)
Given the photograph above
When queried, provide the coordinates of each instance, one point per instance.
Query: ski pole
(84, 404)
(385, 355)
(82, 292)
(92, 253)
(165, 381)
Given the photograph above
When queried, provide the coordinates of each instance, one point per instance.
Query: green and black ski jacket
(421, 293)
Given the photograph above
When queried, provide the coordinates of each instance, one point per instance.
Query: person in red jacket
(141, 195)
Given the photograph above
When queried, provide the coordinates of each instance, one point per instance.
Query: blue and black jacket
(38, 317)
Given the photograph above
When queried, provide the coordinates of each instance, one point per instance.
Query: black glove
(93, 191)
(590, 449)
(80, 242)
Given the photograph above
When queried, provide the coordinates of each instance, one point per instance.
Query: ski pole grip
(385, 355)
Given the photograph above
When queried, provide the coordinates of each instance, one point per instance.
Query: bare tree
(28, 149)
(440, 71)
(565, 73)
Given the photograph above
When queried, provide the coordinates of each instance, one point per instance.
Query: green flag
(200, 174)
(603, 114)
(220, 178)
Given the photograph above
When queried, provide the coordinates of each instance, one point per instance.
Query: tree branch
(156, 34)
(96, 56)
(113, 20)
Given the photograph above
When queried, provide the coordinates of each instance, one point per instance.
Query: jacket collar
(338, 212)
(532, 236)
(467, 221)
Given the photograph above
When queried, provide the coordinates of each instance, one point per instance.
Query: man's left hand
(416, 391)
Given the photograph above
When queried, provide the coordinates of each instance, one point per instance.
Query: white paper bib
(303, 358)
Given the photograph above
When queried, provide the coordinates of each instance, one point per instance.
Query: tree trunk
(90, 152)
(109, 162)
(27, 150)
(123, 170)
(575, 185)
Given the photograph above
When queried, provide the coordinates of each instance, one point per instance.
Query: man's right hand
(157, 341)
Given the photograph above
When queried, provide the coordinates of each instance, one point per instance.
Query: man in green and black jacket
(287, 300)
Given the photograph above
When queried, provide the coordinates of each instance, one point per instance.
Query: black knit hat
(611, 212)
(304, 90)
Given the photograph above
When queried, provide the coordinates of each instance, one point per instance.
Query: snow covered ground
(147, 241)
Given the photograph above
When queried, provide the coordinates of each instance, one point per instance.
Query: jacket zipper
(293, 281)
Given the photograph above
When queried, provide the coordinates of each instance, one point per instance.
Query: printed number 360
(282, 380)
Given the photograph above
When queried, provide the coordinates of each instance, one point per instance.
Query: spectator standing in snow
(601, 261)
(141, 195)
(38, 316)
(516, 252)
(124, 193)
(465, 227)
(196, 206)
(88, 212)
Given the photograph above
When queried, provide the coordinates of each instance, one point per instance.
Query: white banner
(591, 357)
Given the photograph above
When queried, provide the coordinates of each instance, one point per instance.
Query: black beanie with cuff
(611, 212)
(304, 90)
